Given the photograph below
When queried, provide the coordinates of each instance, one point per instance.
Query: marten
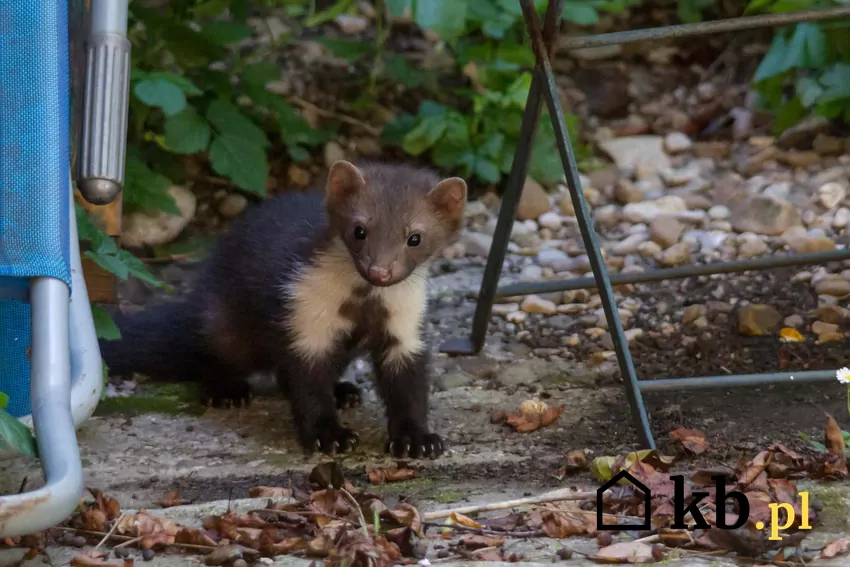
(301, 285)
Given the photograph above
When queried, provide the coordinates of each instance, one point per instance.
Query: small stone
(627, 192)
(831, 314)
(649, 249)
(831, 194)
(793, 321)
(692, 313)
(298, 175)
(647, 211)
(232, 205)
(812, 245)
(766, 215)
(756, 320)
(631, 152)
(504, 309)
(841, 218)
(149, 554)
(676, 254)
(536, 304)
(533, 202)
(820, 328)
(633, 334)
(719, 212)
(677, 142)
(517, 317)
(833, 285)
(144, 229)
(803, 133)
(630, 244)
(752, 247)
(477, 243)
(666, 231)
(451, 380)
(714, 149)
(828, 145)
(333, 153)
(351, 25)
(550, 220)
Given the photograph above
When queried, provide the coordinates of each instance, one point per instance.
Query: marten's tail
(162, 342)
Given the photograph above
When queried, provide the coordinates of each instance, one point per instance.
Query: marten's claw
(415, 445)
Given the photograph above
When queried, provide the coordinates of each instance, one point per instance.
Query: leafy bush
(810, 58)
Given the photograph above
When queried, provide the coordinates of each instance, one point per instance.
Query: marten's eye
(414, 240)
(359, 233)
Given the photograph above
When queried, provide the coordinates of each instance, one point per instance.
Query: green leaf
(394, 132)
(836, 83)
(85, 229)
(16, 436)
(346, 48)
(808, 90)
(399, 70)
(446, 18)
(580, 13)
(161, 93)
(782, 6)
(425, 134)
(145, 190)
(774, 62)
(4, 401)
(104, 326)
(224, 32)
(487, 171)
(258, 74)
(756, 5)
(228, 120)
(183, 83)
(138, 269)
(187, 132)
(245, 164)
(807, 47)
(790, 113)
(110, 263)
(337, 8)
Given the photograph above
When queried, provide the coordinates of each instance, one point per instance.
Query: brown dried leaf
(94, 559)
(194, 536)
(564, 524)
(836, 463)
(223, 555)
(106, 504)
(624, 552)
(173, 499)
(270, 492)
(836, 548)
(691, 439)
(528, 422)
(390, 474)
(754, 468)
(481, 541)
(576, 460)
(154, 530)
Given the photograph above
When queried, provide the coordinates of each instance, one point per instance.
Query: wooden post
(102, 285)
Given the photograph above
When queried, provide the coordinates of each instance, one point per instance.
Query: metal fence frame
(543, 87)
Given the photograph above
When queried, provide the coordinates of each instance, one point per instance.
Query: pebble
(477, 243)
(504, 309)
(677, 142)
(756, 320)
(533, 202)
(720, 212)
(752, 247)
(820, 328)
(550, 220)
(676, 254)
(536, 304)
(832, 285)
(666, 231)
(766, 215)
(232, 205)
(647, 211)
(517, 317)
(144, 229)
(831, 194)
(793, 321)
(841, 218)
(812, 245)
(351, 25)
(630, 244)
(692, 313)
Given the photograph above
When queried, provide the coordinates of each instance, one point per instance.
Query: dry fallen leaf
(559, 525)
(576, 460)
(390, 474)
(533, 415)
(481, 541)
(836, 548)
(95, 559)
(270, 492)
(173, 499)
(836, 464)
(625, 552)
(790, 335)
(691, 439)
(461, 520)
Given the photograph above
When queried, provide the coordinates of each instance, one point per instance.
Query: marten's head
(392, 218)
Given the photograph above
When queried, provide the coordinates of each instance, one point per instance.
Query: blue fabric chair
(50, 364)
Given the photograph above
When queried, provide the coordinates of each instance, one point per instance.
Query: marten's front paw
(347, 395)
(226, 394)
(329, 437)
(414, 442)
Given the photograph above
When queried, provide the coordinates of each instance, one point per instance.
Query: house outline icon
(647, 500)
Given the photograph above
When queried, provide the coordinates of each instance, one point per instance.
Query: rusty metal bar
(703, 28)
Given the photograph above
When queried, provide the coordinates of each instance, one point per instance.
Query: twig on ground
(553, 496)
(132, 540)
(129, 542)
(485, 531)
(110, 532)
(354, 503)
(298, 101)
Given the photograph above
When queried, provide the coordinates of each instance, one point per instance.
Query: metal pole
(706, 382)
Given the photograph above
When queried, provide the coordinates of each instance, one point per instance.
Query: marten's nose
(379, 274)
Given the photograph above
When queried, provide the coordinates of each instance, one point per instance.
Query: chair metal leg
(34, 511)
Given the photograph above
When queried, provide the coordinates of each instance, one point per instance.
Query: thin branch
(553, 496)
(485, 531)
(298, 101)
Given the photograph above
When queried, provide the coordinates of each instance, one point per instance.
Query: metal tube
(703, 28)
(109, 16)
(706, 382)
(769, 262)
(31, 512)
(600, 271)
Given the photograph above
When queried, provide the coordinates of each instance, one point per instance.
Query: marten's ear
(344, 181)
(449, 197)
